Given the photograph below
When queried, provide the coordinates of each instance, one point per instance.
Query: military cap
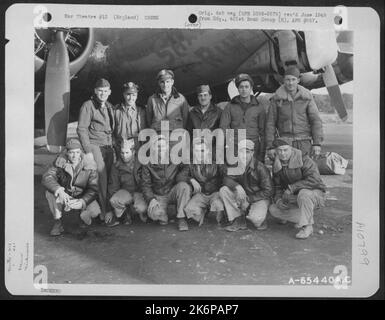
(292, 71)
(73, 144)
(102, 83)
(243, 77)
(281, 142)
(246, 144)
(203, 88)
(165, 74)
(130, 87)
(127, 144)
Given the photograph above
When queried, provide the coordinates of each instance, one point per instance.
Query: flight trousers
(301, 207)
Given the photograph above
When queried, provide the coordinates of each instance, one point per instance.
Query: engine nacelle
(321, 48)
(43, 37)
(309, 50)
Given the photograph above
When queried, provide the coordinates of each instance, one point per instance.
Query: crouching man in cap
(124, 187)
(159, 186)
(250, 189)
(294, 114)
(245, 112)
(298, 188)
(71, 184)
(129, 117)
(205, 178)
(95, 127)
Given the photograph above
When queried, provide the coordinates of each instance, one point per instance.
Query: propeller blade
(57, 94)
(334, 91)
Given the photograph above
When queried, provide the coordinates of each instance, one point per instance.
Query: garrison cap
(73, 144)
(246, 144)
(281, 142)
(203, 88)
(165, 74)
(127, 144)
(130, 87)
(292, 71)
(243, 77)
(102, 83)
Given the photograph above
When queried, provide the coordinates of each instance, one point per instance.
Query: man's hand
(316, 150)
(75, 204)
(153, 203)
(286, 196)
(108, 217)
(281, 205)
(271, 154)
(63, 196)
(196, 186)
(241, 193)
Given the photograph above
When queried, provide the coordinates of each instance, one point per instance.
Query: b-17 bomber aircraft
(68, 61)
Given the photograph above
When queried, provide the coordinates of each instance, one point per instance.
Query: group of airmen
(100, 177)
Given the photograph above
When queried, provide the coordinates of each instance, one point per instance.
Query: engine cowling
(79, 43)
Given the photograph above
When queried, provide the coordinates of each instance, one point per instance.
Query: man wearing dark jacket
(167, 104)
(124, 187)
(159, 187)
(206, 115)
(245, 112)
(299, 188)
(294, 114)
(250, 188)
(129, 117)
(205, 178)
(71, 184)
(95, 127)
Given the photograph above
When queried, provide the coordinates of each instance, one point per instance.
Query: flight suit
(124, 188)
(249, 116)
(209, 176)
(256, 182)
(296, 119)
(307, 189)
(159, 182)
(95, 127)
(78, 183)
